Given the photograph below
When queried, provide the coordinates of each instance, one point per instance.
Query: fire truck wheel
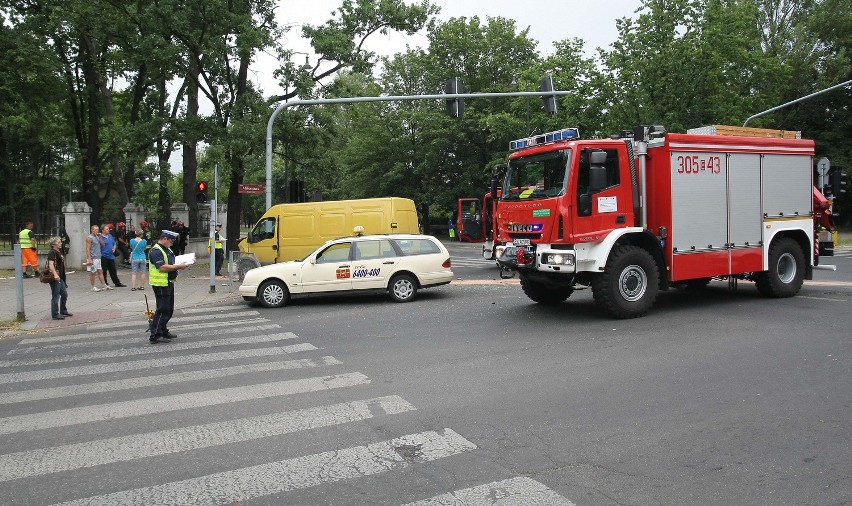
(629, 284)
(273, 293)
(402, 288)
(538, 292)
(786, 270)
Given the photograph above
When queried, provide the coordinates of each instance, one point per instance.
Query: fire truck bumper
(537, 257)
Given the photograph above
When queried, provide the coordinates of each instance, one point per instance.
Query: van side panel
(303, 227)
(296, 234)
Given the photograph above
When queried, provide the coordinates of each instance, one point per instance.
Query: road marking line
(821, 298)
(146, 349)
(178, 319)
(135, 365)
(297, 473)
(177, 402)
(211, 310)
(39, 394)
(135, 335)
(111, 342)
(125, 448)
(511, 492)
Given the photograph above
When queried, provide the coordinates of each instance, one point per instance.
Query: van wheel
(786, 270)
(273, 293)
(629, 284)
(402, 288)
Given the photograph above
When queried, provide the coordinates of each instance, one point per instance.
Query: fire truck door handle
(342, 266)
(274, 247)
(621, 220)
(388, 263)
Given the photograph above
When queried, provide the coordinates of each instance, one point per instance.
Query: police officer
(162, 272)
(219, 242)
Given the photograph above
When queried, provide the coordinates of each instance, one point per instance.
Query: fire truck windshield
(538, 176)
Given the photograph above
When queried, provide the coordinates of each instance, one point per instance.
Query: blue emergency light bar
(566, 134)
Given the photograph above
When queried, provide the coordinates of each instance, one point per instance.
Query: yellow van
(291, 231)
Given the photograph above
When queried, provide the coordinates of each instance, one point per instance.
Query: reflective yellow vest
(24, 238)
(155, 277)
(219, 245)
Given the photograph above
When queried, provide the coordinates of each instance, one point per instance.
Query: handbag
(46, 276)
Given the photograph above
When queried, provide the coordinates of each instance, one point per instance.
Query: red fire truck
(634, 215)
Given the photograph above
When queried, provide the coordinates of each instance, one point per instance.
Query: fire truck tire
(786, 270)
(538, 292)
(273, 293)
(402, 288)
(629, 284)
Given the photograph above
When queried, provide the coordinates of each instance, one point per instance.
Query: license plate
(521, 242)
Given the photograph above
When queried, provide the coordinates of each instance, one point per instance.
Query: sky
(548, 21)
(593, 21)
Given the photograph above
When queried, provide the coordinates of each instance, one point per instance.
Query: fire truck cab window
(584, 187)
(538, 176)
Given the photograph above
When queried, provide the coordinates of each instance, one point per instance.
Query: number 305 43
(695, 164)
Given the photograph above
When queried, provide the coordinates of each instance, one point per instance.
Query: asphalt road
(716, 397)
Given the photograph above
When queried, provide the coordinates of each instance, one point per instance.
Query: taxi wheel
(402, 288)
(273, 293)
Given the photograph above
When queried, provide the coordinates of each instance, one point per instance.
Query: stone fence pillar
(179, 212)
(77, 225)
(134, 213)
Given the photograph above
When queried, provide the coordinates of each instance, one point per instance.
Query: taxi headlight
(558, 259)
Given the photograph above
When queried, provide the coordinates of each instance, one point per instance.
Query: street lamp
(307, 65)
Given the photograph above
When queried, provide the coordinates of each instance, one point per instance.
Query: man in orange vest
(29, 255)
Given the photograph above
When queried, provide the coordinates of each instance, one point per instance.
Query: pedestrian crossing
(475, 262)
(242, 411)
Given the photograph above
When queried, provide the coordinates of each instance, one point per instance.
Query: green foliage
(98, 94)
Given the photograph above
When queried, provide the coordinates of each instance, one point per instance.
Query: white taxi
(399, 264)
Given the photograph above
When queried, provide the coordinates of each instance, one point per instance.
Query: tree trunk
(190, 146)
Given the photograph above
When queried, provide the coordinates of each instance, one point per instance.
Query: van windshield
(265, 229)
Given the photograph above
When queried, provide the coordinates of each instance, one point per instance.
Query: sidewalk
(192, 289)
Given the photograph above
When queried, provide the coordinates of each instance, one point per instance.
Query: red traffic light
(201, 186)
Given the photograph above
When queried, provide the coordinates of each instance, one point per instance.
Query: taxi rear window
(417, 246)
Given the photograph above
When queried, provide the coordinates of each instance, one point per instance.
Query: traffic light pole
(402, 98)
(214, 219)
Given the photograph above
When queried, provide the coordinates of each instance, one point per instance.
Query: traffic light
(455, 106)
(549, 100)
(839, 182)
(201, 192)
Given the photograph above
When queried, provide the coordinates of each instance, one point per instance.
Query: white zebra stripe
(162, 379)
(112, 342)
(135, 365)
(208, 309)
(147, 349)
(122, 449)
(297, 473)
(178, 319)
(165, 404)
(511, 492)
(35, 341)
